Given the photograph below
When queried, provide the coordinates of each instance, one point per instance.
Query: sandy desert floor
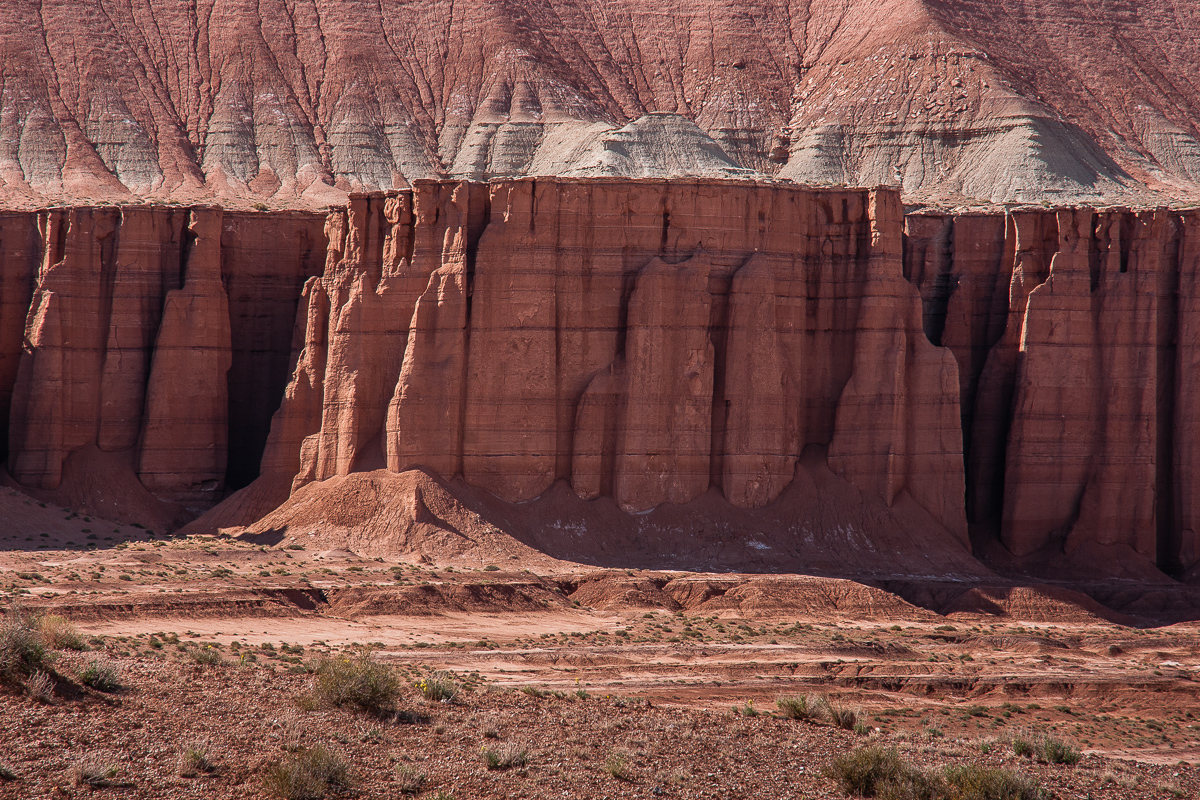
(582, 669)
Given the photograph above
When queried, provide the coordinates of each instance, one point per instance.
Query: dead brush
(40, 687)
(408, 780)
(59, 633)
(844, 717)
(94, 772)
(505, 756)
(22, 649)
(308, 775)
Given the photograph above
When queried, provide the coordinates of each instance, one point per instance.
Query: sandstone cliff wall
(642, 340)
(1026, 379)
(1074, 333)
(155, 334)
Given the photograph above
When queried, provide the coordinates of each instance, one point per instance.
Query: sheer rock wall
(156, 333)
(1028, 379)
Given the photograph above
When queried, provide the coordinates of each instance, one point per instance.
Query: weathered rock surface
(302, 102)
(126, 343)
(644, 341)
(1019, 384)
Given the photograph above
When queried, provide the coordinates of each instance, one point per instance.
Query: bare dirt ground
(674, 675)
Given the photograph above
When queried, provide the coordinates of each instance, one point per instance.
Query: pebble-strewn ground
(245, 716)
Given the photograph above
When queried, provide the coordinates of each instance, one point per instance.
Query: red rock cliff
(154, 334)
(643, 340)
(1027, 378)
(1075, 335)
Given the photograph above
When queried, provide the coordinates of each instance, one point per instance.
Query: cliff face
(642, 341)
(1074, 332)
(1025, 382)
(300, 102)
(118, 328)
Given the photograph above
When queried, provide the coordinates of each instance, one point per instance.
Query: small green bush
(617, 765)
(1045, 747)
(193, 762)
(973, 782)
(439, 687)
(863, 772)
(101, 675)
(881, 773)
(359, 683)
(207, 656)
(22, 650)
(308, 774)
(805, 708)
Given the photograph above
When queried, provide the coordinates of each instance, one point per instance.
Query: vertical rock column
(757, 465)
(56, 396)
(185, 437)
(1052, 440)
(19, 249)
(147, 266)
(1187, 394)
(897, 424)
(989, 425)
(510, 436)
(424, 418)
(1119, 501)
(665, 439)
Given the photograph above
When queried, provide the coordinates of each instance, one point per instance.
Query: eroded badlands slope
(300, 102)
(693, 374)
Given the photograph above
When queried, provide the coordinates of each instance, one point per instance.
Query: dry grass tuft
(310, 774)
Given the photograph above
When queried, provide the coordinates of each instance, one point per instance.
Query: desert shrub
(844, 717)
(973, 782)
(1045, 747)
(1056, 751)
(881, 773)
(805, 708)
(617, 765)
(359, 683)
(207, 656)
(913, 784)
(194, 761)
(409, 780)
(40, 687)
(439, 687)
(22, 651)
(101, 675)
(865, 771)
(58, 633)
(505, 756)
(94, 772)
(6, 772)
(307, 775)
